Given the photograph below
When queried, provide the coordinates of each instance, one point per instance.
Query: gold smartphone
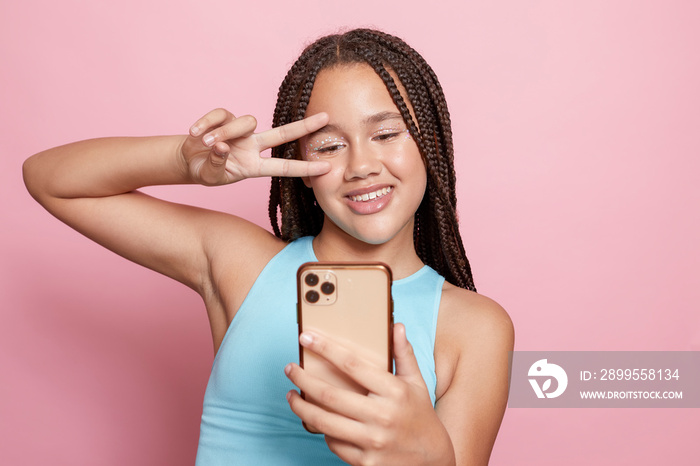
(351, 303)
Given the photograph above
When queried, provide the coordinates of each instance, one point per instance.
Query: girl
(362, 169)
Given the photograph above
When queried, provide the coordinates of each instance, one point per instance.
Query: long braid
(293, 209)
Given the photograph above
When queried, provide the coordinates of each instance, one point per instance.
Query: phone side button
(298, 313)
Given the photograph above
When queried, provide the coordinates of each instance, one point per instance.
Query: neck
(399, 253)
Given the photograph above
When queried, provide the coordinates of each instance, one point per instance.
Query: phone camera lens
(312, 296)
(311, 279)
(327, 288)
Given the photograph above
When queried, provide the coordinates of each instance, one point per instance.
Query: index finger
(291, 131)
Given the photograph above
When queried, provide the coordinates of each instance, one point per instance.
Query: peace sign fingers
(223, 148)
(291, 131)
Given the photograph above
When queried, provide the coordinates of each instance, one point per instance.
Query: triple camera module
(323, 293)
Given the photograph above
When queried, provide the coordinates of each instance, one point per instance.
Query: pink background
(577, 136)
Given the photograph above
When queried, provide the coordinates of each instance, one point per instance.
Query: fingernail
(289, 395)
(306, 339)
(208, 140)
(194, 130)
(288, 368)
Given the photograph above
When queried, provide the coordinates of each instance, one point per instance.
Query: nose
(362, 162)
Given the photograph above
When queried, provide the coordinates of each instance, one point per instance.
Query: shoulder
(237, 251)
(473, 314)
(473, 341)
(472, 330)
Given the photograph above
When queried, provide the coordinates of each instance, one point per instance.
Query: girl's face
(377, 179)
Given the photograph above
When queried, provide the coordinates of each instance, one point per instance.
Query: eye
(385, 136)
(389, 134)
(329, 149)
(325, 147)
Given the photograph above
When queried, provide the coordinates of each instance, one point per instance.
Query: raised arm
(91, 186)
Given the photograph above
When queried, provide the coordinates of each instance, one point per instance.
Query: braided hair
(293, 209)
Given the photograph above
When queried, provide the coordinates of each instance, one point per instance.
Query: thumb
(404, 358)
(212, 170)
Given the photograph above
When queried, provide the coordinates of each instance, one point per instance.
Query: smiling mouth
(371, 196)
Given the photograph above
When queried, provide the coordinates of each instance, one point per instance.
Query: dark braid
(293, 209)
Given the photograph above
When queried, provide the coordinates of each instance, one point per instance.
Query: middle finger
(237, 128)
(325, 395)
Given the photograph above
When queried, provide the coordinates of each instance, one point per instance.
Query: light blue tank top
(246, 419)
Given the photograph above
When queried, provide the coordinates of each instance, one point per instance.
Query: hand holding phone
(350, 303)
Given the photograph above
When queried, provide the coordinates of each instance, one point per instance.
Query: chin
(372, 229)
(376, 236)
(374, 240)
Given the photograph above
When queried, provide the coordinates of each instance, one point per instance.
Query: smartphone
(351, 303)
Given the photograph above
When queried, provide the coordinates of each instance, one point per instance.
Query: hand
(222, 149)
(394, 424)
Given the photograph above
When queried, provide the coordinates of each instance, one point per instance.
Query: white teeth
(372, 195)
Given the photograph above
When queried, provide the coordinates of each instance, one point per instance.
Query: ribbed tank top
(246, 419)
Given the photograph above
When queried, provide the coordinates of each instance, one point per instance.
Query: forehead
(351, 91)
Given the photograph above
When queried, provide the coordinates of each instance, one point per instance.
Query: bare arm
(105, 167)
(475, 336)
(90, 185)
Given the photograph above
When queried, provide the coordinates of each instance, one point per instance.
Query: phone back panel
(351, 303)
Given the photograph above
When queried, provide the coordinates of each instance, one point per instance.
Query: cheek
(327, 182)
(411, 169)
(409, 162)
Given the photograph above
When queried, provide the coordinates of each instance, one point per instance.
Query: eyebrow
(370, 120)
(382, 116)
